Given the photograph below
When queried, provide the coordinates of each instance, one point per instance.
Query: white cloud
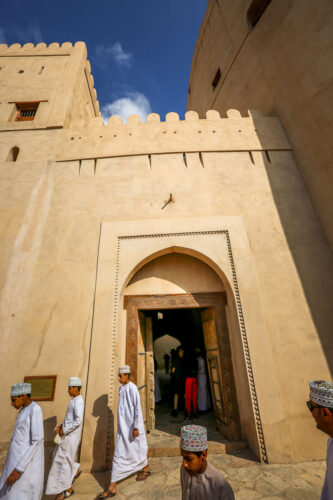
(2, 35)
(32, 34)
(132, 103)
(116, 52)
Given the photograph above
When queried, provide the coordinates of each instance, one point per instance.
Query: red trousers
(191, 394)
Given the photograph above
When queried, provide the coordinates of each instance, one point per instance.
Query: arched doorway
(190, 298)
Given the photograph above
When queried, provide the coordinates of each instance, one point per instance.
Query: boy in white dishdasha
(64, 469)
(130, 455)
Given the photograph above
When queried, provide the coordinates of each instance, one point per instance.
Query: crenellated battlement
(253, 132)
(53, 47)
(96, 139)
(211, 115)
(57, 76)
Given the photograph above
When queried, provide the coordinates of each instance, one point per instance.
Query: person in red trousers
(191, 384)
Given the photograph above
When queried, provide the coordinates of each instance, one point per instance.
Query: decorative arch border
(248, 362)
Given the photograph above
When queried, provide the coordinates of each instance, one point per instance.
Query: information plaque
(42, 387)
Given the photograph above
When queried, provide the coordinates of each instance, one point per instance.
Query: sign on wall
(42, 387)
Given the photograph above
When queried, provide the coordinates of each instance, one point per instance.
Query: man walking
(321, 407)
(64, 469)
(166, 358)
(130, 455)
(23, 474)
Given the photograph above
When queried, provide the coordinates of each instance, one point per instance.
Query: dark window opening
(26, 111)
(256, 10)
(13, 154)
(216, 80)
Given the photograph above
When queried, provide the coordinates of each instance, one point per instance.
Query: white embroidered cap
(124, 369)
(74, 382)
(20, 388)
(321, 392)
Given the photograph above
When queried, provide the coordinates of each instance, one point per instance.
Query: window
(13, 154)
(216, 79)
(256, 10)
(26, 111)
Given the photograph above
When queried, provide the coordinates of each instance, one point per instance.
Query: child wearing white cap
(130, 455)
(199, 479)
(23, 473)
(64, 469)
(321, 408)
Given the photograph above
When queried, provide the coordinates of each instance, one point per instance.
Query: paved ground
(165, 436)
(249, 479)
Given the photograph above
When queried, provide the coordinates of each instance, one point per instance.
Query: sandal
(142, 475)
(110, 494)
(77, 476)
(66, 494)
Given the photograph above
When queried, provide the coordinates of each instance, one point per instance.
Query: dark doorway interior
(172, 327)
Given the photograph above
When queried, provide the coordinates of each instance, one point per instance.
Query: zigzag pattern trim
(253, 392)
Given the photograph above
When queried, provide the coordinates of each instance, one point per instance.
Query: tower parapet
(52, 85)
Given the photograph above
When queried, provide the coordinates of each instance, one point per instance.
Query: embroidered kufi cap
(74, 382)
(20, 388)
(193, 438)
(321, 392)
(124, 369)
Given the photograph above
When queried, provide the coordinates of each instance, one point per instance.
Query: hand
(13, 477)
(135, 433)
(61, 432)
(57, 429)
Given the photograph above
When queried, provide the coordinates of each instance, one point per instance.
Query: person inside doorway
(178, 379)
(157, 388)
(191, 384)
(166, 358)
(203, 394)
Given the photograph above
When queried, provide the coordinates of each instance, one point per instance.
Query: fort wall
(84, 204)
(280, 65)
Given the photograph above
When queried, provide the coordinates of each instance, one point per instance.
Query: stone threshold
(213, 448)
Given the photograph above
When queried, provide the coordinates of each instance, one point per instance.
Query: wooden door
(220, 371)
(145, 370)
(214, 367)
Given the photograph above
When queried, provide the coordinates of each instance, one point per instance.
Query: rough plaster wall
(281, 67)
(50, 226)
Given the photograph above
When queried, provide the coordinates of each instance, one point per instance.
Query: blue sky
(140, 50)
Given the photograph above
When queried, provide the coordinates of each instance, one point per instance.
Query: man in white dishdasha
(64, 470)
(321, 407)
(23, 474)
(130, 455)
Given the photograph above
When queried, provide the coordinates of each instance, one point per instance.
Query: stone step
(213, 447)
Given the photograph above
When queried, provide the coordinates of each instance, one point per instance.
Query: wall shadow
(306, 241)
(49, 425)
(103, 440)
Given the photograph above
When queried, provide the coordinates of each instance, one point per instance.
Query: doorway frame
(217, 300)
